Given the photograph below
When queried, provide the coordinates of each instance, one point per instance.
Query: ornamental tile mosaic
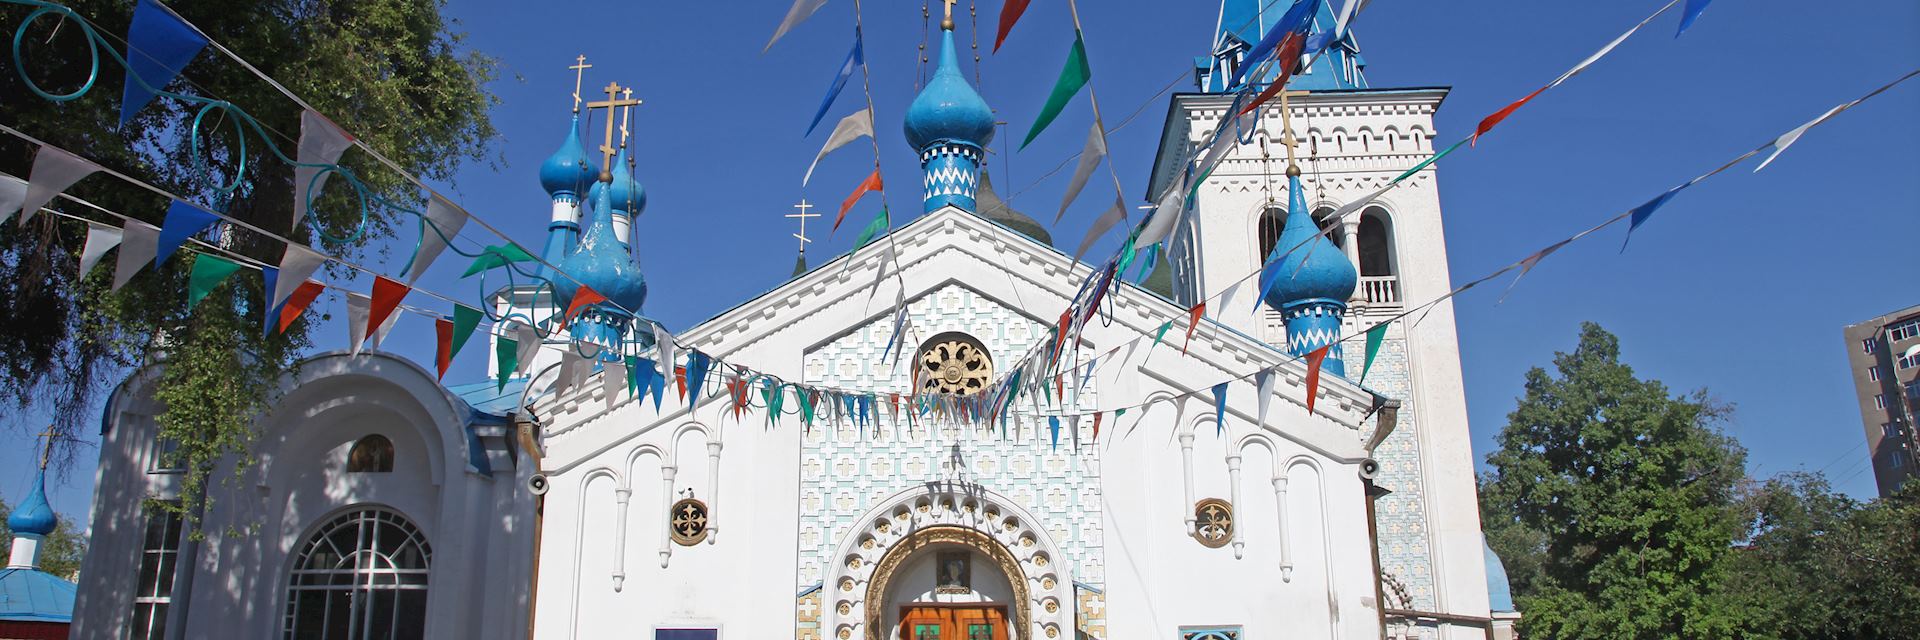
(1405, 549)
(846, 470)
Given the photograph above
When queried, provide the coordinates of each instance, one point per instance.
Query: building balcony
(1378, 291)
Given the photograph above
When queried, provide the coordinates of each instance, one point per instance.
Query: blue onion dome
(569, 169)
(34, 516)
(628, 195)
(1314, 271)
(948, 109)
(600, 261)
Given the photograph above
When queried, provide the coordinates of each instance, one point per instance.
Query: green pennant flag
(465, 318)
(881, 222)
(633, 375)
(208, 271)
(1423, 163)
(1119, 412)
(1127, 254)
(776, 395)
(1161, 333)
(806, 406)
(1072, 78)
(496, 256)
(507, 352)
(1374, 336)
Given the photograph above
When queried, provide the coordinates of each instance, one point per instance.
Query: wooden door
(967, 622)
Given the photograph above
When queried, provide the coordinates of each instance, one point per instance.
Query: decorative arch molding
(892, 532)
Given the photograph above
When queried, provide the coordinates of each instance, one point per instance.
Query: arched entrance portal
(944, 582)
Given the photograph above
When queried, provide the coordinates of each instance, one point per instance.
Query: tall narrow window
(1272, 221)
(362, 575)
(1376, 244)
(159, 553)
(372, 454)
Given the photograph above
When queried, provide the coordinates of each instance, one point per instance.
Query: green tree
(391, 72)
(60, 552)
(1819, 565)
(1614, 501)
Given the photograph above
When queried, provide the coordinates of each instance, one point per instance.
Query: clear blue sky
(1740, 285)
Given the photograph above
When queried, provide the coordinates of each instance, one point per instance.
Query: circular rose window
(954, 363)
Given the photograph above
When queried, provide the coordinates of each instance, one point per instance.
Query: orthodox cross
(947, 22)
(625, 112)
(46, 454)
(1286, 124)
(579, 68)
(612, 102)
(802, 216)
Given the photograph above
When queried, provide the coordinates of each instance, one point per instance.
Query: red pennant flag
(1288, 56)
(1313, 373)
(872, 183)
(297, 303)
(1060, 338)
(1193, 321)
(1096, 427)
(585, 296)
(680, 381)
(737, 387)
(443, 352)
(1493, 120)
(1059, 389)
(1009, 14)
(386, 298)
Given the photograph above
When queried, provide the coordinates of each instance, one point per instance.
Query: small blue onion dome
(569, 169)
(948, 109)
(34, 516)
(628, 196)
(1316, 270)
(600, 261)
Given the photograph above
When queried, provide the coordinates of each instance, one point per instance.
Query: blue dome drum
(34, 517)
(565, 176)
(950, 126)
(1311, 283)
(602, 262)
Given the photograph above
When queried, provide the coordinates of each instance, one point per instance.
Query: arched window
(1376, 244)
(1273, 221)
(372, 454)
(362, 575)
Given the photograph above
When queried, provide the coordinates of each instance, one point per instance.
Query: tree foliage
(60, 551)
(391, 72)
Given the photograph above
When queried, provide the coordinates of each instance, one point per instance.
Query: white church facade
(1127, 502)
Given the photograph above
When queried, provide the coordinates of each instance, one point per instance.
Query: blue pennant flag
(650, 380)
(1053, 425)
(159, 45)
(183, 220)
(854, 60)
(1220, 408)
(1294, 20)
(271, 278)
(1642, 212)
(1687, 15)
(697, 364)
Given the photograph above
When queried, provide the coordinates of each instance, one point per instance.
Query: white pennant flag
(798, 13)
(445, 217)
(386, 327)
(1165, 213)
(613, 380)
(1348, 208)
(100, 238)
(1265, 381)
(1597, 55)
(849, 130)
(1089, 158)
(1787, 139)
(139, 242)
(880, 271)
(526, 346)
(13, 193)
(1226, 297)
(570, 361)
(663, 346)
(296, 265)
(53, 171)
(1106, 221)
(358, 308)
(321, 143)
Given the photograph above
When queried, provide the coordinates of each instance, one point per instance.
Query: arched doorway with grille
(362, 573)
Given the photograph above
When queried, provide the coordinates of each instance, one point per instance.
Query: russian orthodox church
(559, 504)
(34, 604)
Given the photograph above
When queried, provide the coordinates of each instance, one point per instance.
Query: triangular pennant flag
(496, 256)
(1073, 428)
(1314, 359)
(1689, 14)
(582, 297)
(100, 238)
(1292, 46)
(53, 171)
(1787, 139)
(358, 307)
(881, 221)
(137, 245)
(1375, 336)
(321, 143)
(1009, 13)
(441, 223)
(1089, 159)
(1423, 164)
(1488, 123)
(1526, 266)
(1161, 332)
(529, 341)
(663, 349)
(613, 376)
(851, 128)
(1166, 211)
(796, 14)
(1264, 380)
(1193, 322)
(1072, 77)
(1220, 408)
(633, 375)
(1053, 427)
(872, 183)
(506, 354)
(1096, 426)
(465, 319)
(296, 265)
(159, 45)
(1106, 221)
(13, 194)
(1296, 20)
(570, 361)
(442, 346)
(854, 60)
(650, 381)
(1644, 211)
(296, 302)
(208, 272)
(386, 298)
(183, 221)
(680, 379)
(697, 367)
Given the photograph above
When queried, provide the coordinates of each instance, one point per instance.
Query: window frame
(163, 552)
(366, 578)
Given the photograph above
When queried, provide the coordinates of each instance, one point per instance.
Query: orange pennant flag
(680, 380)
(585, 296)
(872, 183)
(1289, 51)
(1096, 426)
(443, 349)
(1492, 120)
(1314, 360)
(297, 303)
(386, 298)
(1193, 322)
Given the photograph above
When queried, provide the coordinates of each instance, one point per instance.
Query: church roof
(32, 595)
(1313, 268)
(948, 109)
(1499, 594)
(569, 169)
(993, 208)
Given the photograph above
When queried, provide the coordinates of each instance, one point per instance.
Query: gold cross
(47, 453)
(1286, 125)
(606, 148)
(579, 68)
(947, 22)
(803, 215)
(625, 112)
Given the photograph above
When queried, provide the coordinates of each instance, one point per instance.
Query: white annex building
(387, 505)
